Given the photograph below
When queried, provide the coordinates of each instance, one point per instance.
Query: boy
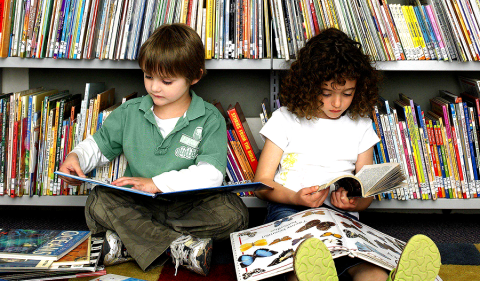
(173, 140)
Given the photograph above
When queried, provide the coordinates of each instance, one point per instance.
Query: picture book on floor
(236, 188)
(370, 180)
(39, 244)
(268, 250)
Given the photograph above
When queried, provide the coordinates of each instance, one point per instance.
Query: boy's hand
(340, 200)
(71, 166)
(144, 184)
(309, 196)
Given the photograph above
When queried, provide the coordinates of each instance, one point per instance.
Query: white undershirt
(196, 176)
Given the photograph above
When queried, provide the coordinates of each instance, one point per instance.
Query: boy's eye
(167, 82)
(148, 77)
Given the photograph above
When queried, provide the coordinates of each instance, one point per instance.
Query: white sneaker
(114, 252)
(193, 253)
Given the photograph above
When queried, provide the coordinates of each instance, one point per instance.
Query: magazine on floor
(268, 250)
(39, 244)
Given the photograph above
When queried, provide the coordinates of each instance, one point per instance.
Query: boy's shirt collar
(195, 109)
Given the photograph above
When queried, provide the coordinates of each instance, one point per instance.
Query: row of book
(242, 149)
(439, 149)
(115, 29)
(49, 254)
(438, 30)
(40, 127)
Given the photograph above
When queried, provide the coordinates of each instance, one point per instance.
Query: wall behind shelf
(249, 88)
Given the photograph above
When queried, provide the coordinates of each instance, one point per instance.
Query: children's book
(370, 180)
(39, 244)
(79, 255)
(236, 188)
(267, 250)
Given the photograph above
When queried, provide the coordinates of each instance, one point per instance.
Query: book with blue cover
(236, 188)
(39, 244)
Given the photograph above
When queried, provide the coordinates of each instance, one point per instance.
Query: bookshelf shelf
(280, 64)
(123, 64)
(253, 202)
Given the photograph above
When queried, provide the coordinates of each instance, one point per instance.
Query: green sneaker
(313, 261)
(420, 261)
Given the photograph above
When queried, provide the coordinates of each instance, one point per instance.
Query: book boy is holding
(322, 132)
(173, 140)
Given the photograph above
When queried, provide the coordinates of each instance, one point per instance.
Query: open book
(370, 180)
(268, 250)
(237, 188)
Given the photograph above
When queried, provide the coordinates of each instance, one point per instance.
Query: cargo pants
(147, 226)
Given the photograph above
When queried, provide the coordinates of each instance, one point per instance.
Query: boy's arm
(89, 155)
(201, 175)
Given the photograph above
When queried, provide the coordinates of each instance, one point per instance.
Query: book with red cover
(244, 134)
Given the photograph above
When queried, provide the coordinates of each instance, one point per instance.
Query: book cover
(268, 250)
(244, 134)
(237, 188)
(39, 244)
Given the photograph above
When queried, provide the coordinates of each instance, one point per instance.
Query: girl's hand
(309, 197)
(340, 200)
(71, 166)
(144, 184)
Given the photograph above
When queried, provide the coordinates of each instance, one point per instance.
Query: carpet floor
(456, 235)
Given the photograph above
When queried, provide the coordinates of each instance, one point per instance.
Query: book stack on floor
(242, 148)
(49, 254)
(39, 127)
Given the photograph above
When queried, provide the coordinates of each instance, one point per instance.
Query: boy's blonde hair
(173, 50)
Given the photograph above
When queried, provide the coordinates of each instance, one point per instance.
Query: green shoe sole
(313, 261)
(420, 260)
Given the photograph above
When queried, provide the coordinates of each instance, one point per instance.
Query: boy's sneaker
(313, 261)
(420, 260)
(114, 252)
(193, 253)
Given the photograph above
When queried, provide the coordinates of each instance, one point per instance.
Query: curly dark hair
(330, 55)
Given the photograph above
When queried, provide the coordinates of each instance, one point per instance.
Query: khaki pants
(147, 226)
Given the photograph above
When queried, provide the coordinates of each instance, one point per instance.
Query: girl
(322, 132)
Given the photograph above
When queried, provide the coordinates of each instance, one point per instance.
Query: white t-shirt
(318, 150)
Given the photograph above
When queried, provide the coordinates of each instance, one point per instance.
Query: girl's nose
(337, 101)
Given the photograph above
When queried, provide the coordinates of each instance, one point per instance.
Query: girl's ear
(195, 81)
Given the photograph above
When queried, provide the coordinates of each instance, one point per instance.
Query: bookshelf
(19, 74)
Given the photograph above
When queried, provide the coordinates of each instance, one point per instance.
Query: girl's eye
(348, 94)
(326, 94)
(167, 82)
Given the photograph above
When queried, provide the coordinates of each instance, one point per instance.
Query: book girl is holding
(323, 132)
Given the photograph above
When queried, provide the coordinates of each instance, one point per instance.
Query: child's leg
(137, 219)
(215, 216)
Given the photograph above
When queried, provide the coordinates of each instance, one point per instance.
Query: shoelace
(180, 254)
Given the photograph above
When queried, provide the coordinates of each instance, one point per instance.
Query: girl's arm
(267, 166)
(339, 197)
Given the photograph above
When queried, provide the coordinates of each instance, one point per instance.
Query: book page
(370, 175)
(368, 243)
(267, 250)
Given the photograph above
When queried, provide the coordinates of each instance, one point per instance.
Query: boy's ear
(195, 81)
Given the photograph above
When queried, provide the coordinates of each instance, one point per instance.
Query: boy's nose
(156, 86)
